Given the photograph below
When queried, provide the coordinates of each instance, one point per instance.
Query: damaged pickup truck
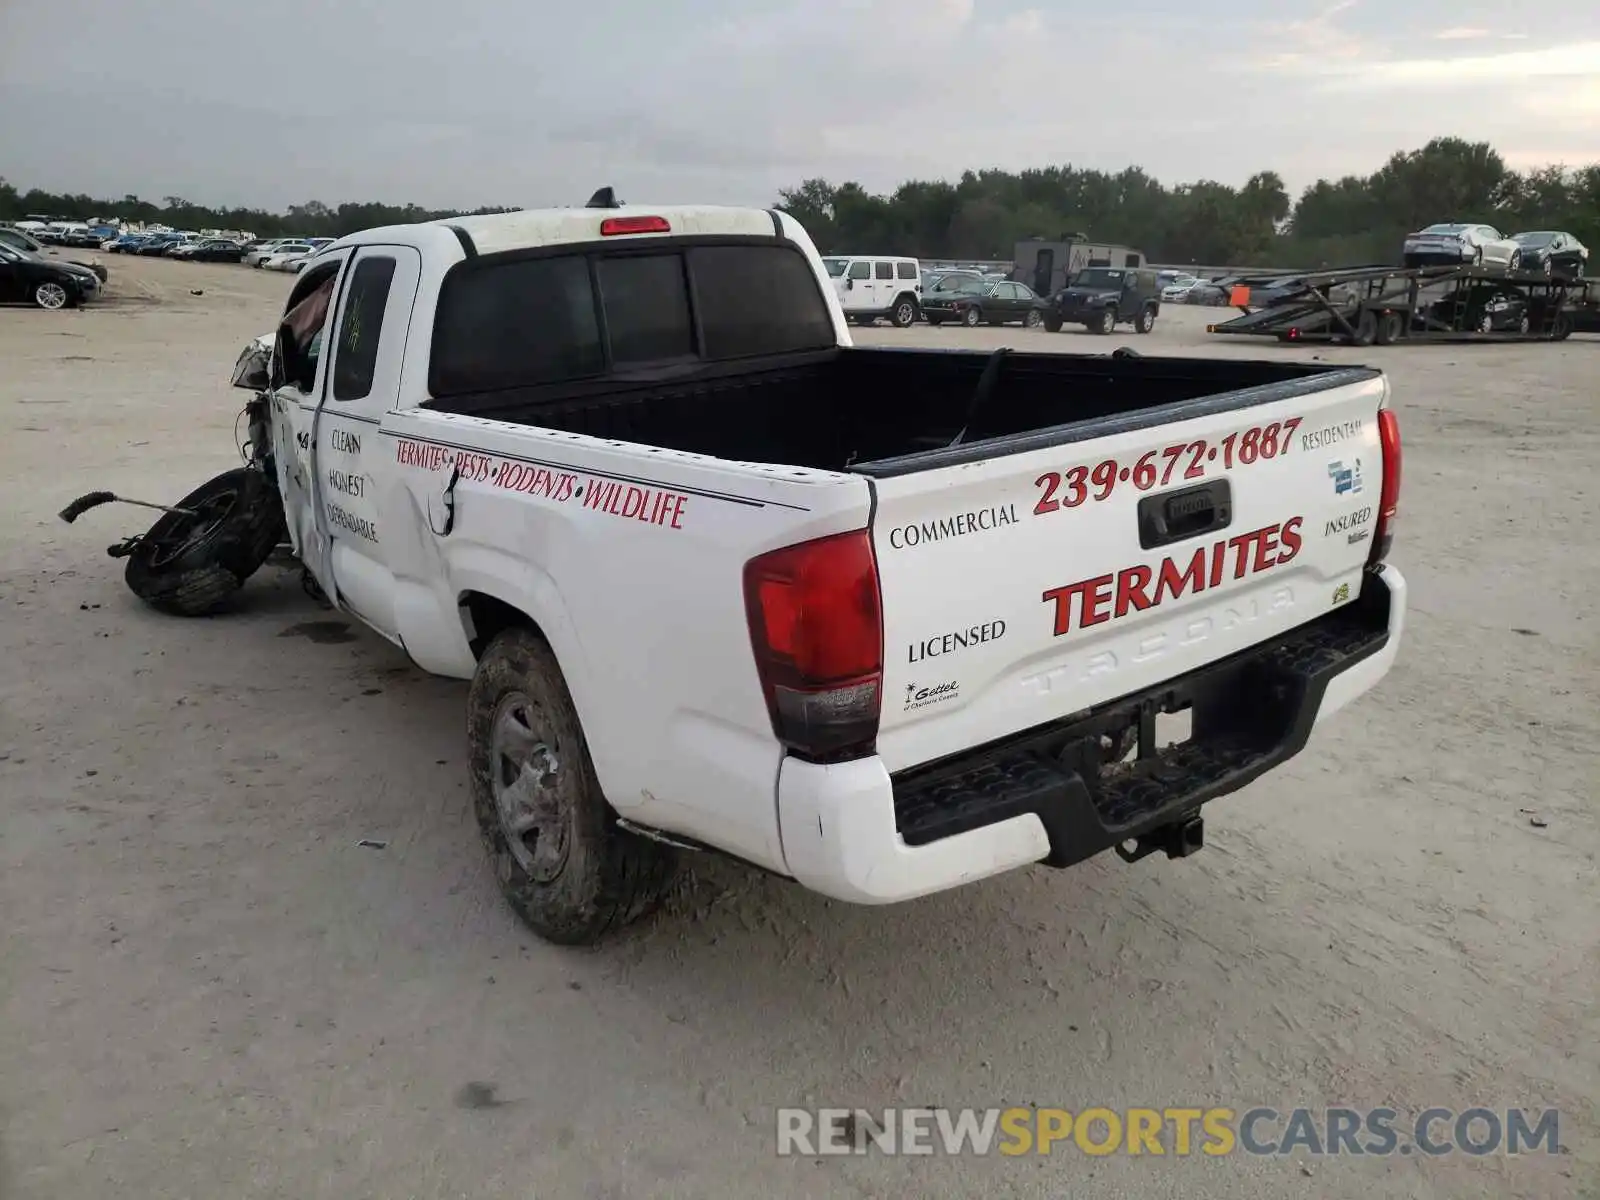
(883, 621)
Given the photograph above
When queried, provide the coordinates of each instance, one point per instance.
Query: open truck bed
(848, 407)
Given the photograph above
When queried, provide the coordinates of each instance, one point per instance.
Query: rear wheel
(1366, 328)
(1486, 324)
(190, 565)
(563, 863)
(1524, 324)
(1032, 320)
(972, 317)
(1516, 261)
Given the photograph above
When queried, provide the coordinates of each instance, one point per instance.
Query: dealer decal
(1135, 589)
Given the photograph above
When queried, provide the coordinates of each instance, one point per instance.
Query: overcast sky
(525, 102)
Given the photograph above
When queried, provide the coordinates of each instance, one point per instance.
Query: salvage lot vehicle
(1457, 244)
(1101, 298)
(1553, 253)
(480, 434)
(981, 302)
(29, 278)
(870, 287)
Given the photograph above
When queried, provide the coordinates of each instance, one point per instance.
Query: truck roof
(494, 233)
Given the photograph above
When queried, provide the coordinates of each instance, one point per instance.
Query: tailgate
(1021, 588)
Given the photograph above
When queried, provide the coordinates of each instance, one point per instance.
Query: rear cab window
(549, 319)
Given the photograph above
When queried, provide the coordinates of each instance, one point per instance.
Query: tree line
(1356, 219)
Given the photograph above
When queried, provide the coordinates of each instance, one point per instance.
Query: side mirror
(251, 370)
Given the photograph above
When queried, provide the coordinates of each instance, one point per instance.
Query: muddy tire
(561, 860)
(191, 566)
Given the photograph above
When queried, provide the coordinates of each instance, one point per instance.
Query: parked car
(288, 258)
(281, 253)
(949, 281)
(216, 250)
(1211, 292)
(870, 287)
(1552, 253)
(1489, 309)
(1177, 292)
(31, 278)
(259, 251)
(156, 245)
(1101, 298)
(985, 302)
(19, 239)
(1459, 244)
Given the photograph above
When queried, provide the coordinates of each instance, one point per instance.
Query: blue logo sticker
(1346, 480)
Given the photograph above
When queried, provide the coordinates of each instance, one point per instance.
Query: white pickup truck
(884, 621)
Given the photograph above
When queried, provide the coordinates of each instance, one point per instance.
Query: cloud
(1577, 61)
(730, 100)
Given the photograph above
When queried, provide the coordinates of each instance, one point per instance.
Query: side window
(860, 270)
(1010, 291)
(514, 324)
(906, 270)
(356, 358)
(883, 270)
(300, 332)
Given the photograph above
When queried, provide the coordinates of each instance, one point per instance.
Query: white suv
(870, 287)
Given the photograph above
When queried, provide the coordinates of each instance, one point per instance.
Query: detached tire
(190, 566)
(563, 863)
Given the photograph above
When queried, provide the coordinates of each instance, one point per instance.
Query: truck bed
(855, 406)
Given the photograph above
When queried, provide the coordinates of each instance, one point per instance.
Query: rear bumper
(853, 832)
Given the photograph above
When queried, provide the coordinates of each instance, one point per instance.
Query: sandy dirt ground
(211, 990)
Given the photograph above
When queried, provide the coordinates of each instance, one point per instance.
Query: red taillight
(816, 625)
(615, 225)
(1389, 495)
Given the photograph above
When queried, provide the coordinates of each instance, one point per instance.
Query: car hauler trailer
(1380, 305)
